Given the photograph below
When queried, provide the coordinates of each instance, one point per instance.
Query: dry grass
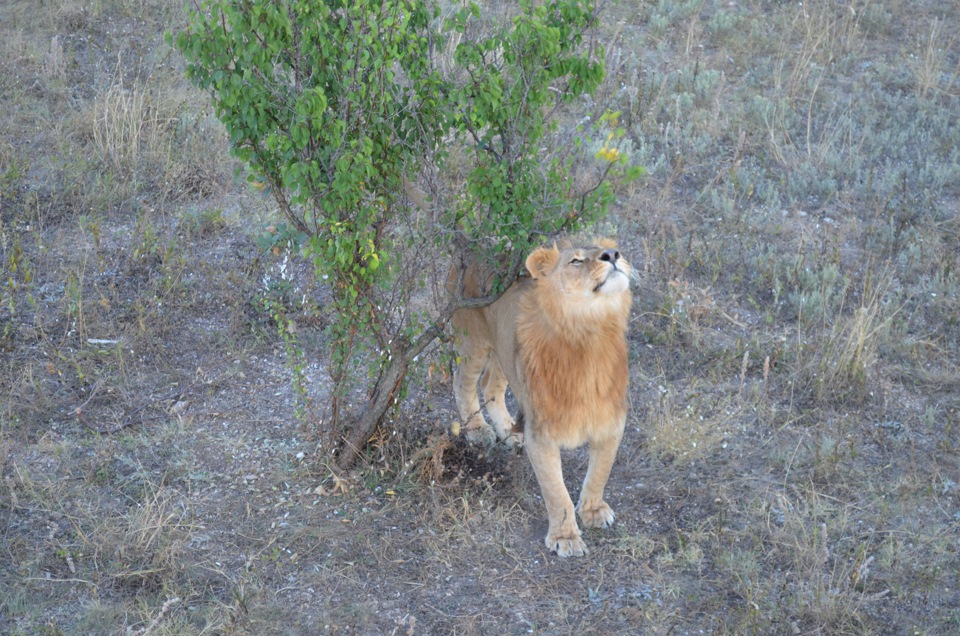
(930, 62)
(123, 123)
(688, 427)
(817, 34)
(843, 361)
(791, 461)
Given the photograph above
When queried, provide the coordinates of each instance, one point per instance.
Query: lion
(558, 338)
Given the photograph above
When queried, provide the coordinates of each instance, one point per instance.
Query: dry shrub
(813, 536)
(926, 62)
(54, 68)
(161, 143)
(686, 432)
(687, 309)
(841, 363)
(72, 16)
(819, 32)
(146, 546)
(450, 459)
(125, 121)
(193, 161)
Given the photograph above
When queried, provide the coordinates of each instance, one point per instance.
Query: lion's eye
(576, 261)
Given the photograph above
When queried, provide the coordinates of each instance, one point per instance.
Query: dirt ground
(792, 451)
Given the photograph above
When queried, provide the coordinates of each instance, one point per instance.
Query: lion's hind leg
(495, 399)
(473, 359)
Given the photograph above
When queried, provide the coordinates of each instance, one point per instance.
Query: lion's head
(581, 287)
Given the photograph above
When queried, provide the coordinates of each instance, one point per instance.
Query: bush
(383, 154)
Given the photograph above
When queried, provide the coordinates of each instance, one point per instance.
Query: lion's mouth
(613, 271)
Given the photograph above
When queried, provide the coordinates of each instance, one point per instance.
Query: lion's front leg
(594, 511)
(563, 535)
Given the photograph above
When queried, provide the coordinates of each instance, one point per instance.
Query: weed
(839, 365)
(16, 283)
(670, 12)
(54, 69)
(637, 546)
(204, 223)
(122, 121)
(13, 170)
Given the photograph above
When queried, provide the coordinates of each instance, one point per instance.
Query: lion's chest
(575, 390)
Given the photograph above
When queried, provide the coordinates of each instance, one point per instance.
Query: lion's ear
(542, 260)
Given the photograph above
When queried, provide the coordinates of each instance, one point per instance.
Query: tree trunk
(361, 427)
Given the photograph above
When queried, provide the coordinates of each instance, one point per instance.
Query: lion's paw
(514, 441)
(567, 546)
(596, 516)
(480, 434)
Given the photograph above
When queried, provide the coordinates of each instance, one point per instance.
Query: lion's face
(592, 274)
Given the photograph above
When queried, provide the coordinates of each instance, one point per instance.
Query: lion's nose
(610, 256)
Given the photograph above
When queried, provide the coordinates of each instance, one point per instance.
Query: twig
(159, 617)
(40, 578)
(128, 420)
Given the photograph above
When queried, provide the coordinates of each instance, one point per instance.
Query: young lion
(559, 339)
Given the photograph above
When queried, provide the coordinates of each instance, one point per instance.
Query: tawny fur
(559, 339)
(575, 365)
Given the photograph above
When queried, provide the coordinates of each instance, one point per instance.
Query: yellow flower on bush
(608, 154)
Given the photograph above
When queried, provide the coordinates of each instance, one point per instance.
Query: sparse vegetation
(793, 449)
